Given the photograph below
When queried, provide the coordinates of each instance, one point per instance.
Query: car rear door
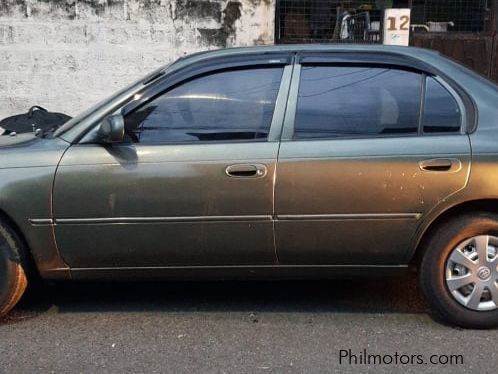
(367, 150)
(193, 184)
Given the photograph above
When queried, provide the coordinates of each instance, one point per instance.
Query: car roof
(415, 52)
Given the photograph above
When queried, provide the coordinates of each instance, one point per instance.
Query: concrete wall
(68, 54)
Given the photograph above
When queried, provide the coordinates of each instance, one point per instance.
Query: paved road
(233, 327)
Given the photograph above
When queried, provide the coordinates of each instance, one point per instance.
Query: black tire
(432, 269)
(13, 279)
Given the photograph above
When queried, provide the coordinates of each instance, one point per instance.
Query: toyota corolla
(288, 161)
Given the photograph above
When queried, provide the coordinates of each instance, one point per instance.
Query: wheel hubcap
(472, 273)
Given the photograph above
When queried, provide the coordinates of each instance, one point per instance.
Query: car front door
(367, 151)
(193, 183)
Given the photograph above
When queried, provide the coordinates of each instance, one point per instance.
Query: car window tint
(225, 106)
(441, 111)
(357, 101)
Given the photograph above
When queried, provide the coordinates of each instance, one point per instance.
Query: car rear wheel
(13, 280)
(459, 271)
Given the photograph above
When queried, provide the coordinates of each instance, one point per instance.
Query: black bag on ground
(36, 118)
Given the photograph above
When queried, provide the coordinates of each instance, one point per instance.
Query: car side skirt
(231, 272)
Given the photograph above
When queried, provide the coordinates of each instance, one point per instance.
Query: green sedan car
(281, 161)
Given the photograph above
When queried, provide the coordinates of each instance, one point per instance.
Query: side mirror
(111, 129)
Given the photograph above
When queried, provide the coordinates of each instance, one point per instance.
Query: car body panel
(359, 201)
(26, 177)
(169, 205)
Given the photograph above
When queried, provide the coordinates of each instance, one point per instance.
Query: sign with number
(396, 26)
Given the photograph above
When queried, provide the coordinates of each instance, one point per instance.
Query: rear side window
(339, 101)
(225, 106)
(441, 111)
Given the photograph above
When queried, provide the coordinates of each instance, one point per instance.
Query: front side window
(225, 106)
(339, 101)
(441, 111)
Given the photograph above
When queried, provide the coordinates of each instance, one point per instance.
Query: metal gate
(305, 21)
(464, 30)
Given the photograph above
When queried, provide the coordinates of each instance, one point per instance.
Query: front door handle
(246, 171)
(440, 164)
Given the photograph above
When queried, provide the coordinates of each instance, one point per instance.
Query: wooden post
(493, 63)
(494, 14)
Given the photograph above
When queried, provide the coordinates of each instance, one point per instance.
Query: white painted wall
(68, 54)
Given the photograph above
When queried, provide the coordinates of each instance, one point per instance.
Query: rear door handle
(246, 171)
(440, 164)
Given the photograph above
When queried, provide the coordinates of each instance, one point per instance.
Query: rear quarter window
(441, 111)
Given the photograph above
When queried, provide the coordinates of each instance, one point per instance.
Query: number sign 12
(397, 26)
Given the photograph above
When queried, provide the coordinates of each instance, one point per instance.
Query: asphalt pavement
(238, 327)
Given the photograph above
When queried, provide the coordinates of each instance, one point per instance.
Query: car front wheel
(459, 271)
(13, 280)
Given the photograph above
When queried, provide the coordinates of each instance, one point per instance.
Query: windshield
(123, 92)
